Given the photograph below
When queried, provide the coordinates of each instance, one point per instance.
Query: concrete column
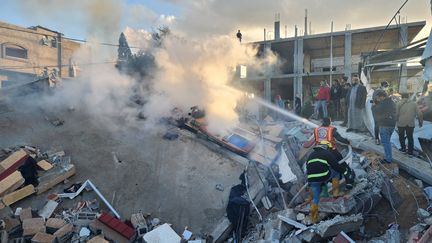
(267, 89)
(347, 56)
(403, 41)
(298, 67)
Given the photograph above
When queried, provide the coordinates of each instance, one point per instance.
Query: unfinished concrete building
(306, 59)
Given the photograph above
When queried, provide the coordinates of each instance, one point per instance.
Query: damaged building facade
(305, 60)
(29, 53)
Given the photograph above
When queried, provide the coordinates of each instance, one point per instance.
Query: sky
(201, 18)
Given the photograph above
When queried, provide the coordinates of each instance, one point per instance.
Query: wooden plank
(13, 158)
(17, 195)
(11, 163)
(414, 166)
(45, 165)
(55, 176)
(11, 183)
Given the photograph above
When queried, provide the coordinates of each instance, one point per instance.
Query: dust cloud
(189, 71)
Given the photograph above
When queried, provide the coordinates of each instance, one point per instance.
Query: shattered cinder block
(84, 218)
(53, 224)
(64, 233)
(33, 226)
(11, 224)
(98, 239)
(26, 213)
(43, 238)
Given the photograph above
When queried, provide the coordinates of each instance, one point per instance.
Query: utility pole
(59, 54)
(331, 55)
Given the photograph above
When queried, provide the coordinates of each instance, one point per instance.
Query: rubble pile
(80, 213)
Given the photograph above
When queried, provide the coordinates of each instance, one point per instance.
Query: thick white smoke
(190, 71)
(199, 73)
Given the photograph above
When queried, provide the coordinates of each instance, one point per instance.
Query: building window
(54, 42)
(15, 52)
(44, 40)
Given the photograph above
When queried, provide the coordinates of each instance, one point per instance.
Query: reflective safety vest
(324, 133)
(321, 174)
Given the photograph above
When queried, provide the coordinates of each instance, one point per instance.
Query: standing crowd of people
(347, 102)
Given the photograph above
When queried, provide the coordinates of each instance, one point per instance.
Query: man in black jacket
(335, 97)
(385, 115)
(321, 167)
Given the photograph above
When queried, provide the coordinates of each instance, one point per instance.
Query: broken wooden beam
(11, 163)
(17, 195)
(11, 183)
(45, 165)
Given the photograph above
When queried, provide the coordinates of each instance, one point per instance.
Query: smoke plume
(189, 70)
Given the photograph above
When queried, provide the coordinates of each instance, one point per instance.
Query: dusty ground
(410, 193)
(173, 180)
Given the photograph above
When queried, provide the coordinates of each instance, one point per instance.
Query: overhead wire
(30, 31)
(391, 20)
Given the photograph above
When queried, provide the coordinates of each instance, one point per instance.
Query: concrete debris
(342, 237)
(393, 234)
(84, 232)
(340, 205)
(219, 187)
(162, 234)
(48, 209)
(292, 222)
(422, 214)
(419, 183)
(340, 223)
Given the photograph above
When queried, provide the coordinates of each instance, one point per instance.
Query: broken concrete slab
(48, 209)
(162, 234)
(339, 223)
(340, 205)
(292, 222)
(287, 174)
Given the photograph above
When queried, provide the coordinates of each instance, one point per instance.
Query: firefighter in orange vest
(329, 133)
